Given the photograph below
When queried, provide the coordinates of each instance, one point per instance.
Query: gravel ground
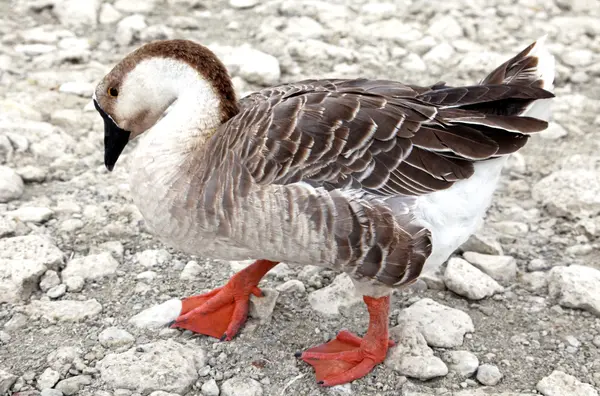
(515, 312)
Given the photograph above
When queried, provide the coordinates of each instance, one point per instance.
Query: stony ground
(516, 312)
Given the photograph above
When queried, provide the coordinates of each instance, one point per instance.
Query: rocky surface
(86, 293)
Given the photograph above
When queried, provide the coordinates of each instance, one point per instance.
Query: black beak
(115, 139)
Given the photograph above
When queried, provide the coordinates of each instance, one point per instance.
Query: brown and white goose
(375, 178)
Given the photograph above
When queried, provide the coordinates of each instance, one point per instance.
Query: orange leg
(220, 313)
(349, 357)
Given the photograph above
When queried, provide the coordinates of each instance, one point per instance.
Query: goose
(374, 178)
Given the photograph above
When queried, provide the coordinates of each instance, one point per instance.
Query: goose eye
(114, 92)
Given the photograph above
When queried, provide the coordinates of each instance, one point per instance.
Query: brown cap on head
(197, 56)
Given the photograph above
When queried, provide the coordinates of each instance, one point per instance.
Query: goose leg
(221, 312)
(348, 356)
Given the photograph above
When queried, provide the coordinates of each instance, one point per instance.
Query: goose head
(137, 92)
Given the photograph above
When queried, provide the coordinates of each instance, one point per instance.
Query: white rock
(464, 363)
(412, 357)
(65, 310)
(7, 227)
(576, 286)
(561, 384)
(464, 279)
(78, 88)
(50, 392)
(303, 27)
(445, 26)
(35, 49)
(73, 385)
(262, 307)
(31, 174)
(157, 316)
(146, 275)
(340, 293)
(554, 131)
(18, 321)
(114, 337)
(108, 14)
(146, 368)
(488, 374)
(251, 64)
(413, 62)
(6, 381)
(77, 13)
(115, 248)
(57, 291)
(132, 6)
(48, 379)
(580, 190)
(49, 280)
(440, 54)
(243, 3)
(93, 267)
(19, 278)
(538, 264)
(241, 386)
(11, 184)
(484, 243)
(128, 29)
(191, 271)
(31, 214)
(152, 258)
(31, 247)
(210, 388)
(536, 282)
(62, 358)
(501, 268)
(292, 286)
(75, 283)
(578, 57)
(441, 326)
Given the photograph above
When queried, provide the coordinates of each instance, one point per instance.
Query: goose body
(379, 179)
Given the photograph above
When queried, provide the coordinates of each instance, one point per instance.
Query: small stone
(501, 268)
(262, 307)
(292, 286)
(413, 62)
(6, 381)
(251, 64)
(71, 225)
(50, 392)
(560, 384)
(538, 265)
(62, 359)
(535, 282)
(11, 184)
(340, 293)
(49, 280)
(191, 271)
(553, 132)
(76, 13)
(433, 280)
(580, 191)
(75, 284)
(441, 326)
(464, 363)
(466, 280)
(65, 310)
(32, 174)
(445, 26)
(241, 386)
(79, 88)
(144, 368)
(18, 321)
(242, 4)
(31, 214)
(109, 14)
(576, 286)
(482, 243)
(210, 388)
(57, 291)
(18, 279)
(129, 28)
(578, 57)
(31, 247)
(132, 6)
(73, 385)
(157, 316)
(48, 379)
(7, 227)
(93, 267)
(152, 258)
(488, 374)
(114, 338)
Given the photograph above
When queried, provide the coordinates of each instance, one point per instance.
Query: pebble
(144, 368)
(554, 131)
(580, 191)
(57, 291)
(441, 326)
(76, 13)
(242, 4)
(19, 279)
(464, 363)
(251, 64)
(157, 316)
(114, 337)
(31, 214)
(109, 14)
(73, 385)
(538, 264)
(16, 322)
(210, 388)
(128, 29)
(11, 184)
(488, 374)
(48, 379)
(466, 280)
(37, 248)
(153, 257)
(412, 357)
(50, 392)
(503, 269)
(79, 88)
(49, 280)
(65, 310)
(262, 307)
(559, 383)
(75, 284)
(92, 267)
(62, 358)
(133, 6)
(241, 386)
(536, 282)
(292, 286)
(576, 286)
(8, 227)
(6, 381)
(340, 293)
(483, 243)
(445, 26)
(191, 271)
